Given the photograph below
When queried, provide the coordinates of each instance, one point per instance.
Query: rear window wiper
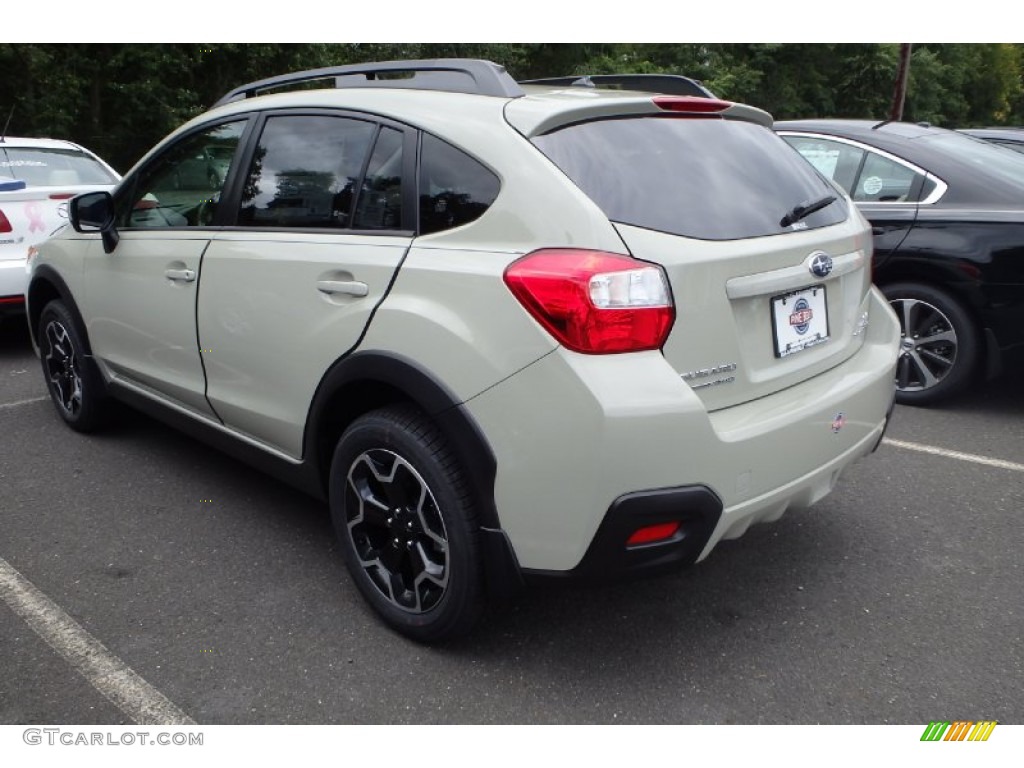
(804, 210)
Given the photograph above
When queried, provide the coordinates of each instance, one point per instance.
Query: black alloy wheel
(75, 386)
(407, 524)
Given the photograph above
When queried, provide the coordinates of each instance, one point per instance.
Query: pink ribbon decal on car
(35, 217)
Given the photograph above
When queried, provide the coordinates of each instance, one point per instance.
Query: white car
(37, 178)
(510, 332)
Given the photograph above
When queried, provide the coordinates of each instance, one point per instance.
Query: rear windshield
(710, 179)
(984, 156)
(40, 167)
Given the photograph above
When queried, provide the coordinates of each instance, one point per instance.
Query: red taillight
(62, 195)
(652, 533)
(690, 104)
(5, 225)
(594, 302)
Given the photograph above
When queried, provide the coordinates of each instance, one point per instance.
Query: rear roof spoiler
(671, 85)
(475, 76)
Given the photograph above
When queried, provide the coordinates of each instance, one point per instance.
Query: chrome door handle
(349, 287)
(185, 275)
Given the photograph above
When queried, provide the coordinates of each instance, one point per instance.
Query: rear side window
(710, 179)
(52, 167)
(305, 172)
(867, 176)
(380, 199)
(454, 188)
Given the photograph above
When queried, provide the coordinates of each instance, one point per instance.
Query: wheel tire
(939, 356)
(75, 385)
(405, 518)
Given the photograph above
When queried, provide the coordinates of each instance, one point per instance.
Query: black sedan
(947, 212)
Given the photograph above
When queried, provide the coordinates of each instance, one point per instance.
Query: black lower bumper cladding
(610, 558)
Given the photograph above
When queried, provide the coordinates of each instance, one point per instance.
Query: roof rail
(455, 75)
(672, 85)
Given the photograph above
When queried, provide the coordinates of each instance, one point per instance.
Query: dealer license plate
(799, 320)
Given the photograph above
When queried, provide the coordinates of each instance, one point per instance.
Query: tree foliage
(120, 99)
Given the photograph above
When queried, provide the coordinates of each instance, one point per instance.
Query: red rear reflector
(690, 104)
(5, 225)
(62, 195)
(594, 302)
(12, 300)
(652, 533)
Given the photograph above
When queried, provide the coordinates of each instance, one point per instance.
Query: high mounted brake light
(693, 104)
(594, 302)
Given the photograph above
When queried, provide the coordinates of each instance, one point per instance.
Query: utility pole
(900, 91)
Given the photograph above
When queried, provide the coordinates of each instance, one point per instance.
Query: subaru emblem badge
(820, 264)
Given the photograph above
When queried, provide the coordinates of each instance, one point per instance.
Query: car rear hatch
(767, 261)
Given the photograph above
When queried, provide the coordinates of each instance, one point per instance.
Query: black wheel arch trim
(45, 274)
(399, 373)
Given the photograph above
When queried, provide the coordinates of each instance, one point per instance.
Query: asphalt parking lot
(895, 600)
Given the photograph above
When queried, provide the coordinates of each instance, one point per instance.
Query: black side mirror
(94, 212)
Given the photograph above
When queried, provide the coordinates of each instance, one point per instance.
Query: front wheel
(939, 346)
(75, 386)
(406, 522)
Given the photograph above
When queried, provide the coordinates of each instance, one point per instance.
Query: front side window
(182, 187)
(305, 171)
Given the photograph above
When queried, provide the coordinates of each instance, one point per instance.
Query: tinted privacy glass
(182, 187)
(705, 178)
(52, 167)
(454, 188)
(380, 199)
(304, 172)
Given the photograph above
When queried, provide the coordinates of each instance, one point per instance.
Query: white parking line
(960, 456)
(118, 683)
(16, 403)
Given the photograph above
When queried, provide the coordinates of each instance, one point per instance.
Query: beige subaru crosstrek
(508, 331)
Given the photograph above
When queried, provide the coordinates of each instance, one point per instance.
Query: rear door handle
(184, 275)
(348, 287)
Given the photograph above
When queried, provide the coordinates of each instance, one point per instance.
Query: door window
(305, 172)
(182, 187)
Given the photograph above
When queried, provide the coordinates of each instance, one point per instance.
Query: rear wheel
(939, 347)
(75, 386)
(406, 523)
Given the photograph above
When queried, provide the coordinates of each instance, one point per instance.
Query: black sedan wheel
(75, 386)
(939, 345)
(405, 520)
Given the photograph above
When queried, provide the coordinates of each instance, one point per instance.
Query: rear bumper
(575, 436)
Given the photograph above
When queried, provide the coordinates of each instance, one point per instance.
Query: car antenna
(876, 126)
(3, 134)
